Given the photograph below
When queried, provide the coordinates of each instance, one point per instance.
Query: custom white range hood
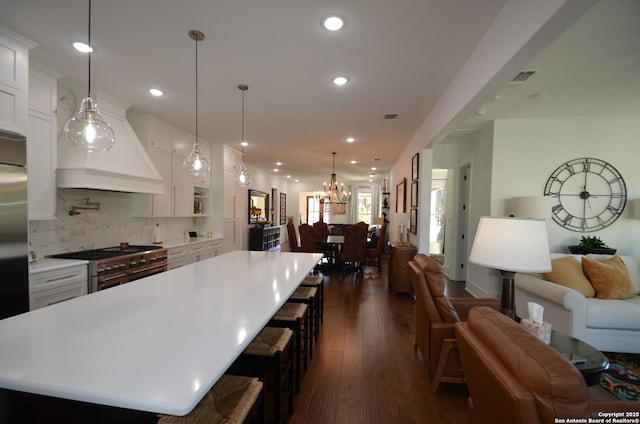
(125, 167)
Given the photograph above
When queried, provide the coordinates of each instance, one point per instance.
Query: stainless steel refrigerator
(14, 243)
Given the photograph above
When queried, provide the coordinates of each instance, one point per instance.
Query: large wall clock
(587, 194)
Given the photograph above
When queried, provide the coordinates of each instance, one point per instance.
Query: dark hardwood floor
(364, 368)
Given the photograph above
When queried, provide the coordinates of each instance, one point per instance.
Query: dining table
(157, 344)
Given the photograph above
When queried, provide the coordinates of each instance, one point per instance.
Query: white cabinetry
(193, 251)
(168, 147)
(41, 142)
(233, 201)
(55, 284)
(14, 71)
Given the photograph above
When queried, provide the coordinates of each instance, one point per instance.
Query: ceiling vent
(389, 116)
(522, 77)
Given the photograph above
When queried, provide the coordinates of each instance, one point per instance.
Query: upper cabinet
(168, 147)
(14, 70)
(41, 142)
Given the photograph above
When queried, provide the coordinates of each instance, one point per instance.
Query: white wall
(512, 158)
(545, 144)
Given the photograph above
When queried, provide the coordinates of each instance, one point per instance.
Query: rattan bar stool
(309, 296)
(317, 282)
(231, 400)
(269, 356)
(296, 317)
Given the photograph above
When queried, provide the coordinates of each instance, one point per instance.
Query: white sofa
(609, 325)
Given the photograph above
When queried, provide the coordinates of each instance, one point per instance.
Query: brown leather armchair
(515, 378)
(436, 315)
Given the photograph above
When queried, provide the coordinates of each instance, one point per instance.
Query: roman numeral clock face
(587, 194)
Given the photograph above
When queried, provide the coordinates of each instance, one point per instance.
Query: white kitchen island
(157, 344)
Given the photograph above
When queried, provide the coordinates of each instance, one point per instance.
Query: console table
(264, 238)
(399, 276)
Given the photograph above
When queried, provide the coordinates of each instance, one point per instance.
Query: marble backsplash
(112, 224)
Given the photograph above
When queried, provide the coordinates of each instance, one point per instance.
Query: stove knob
(143, 261)
(106, 268)
(133, 262)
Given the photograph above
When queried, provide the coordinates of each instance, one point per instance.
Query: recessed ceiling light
(340, 81)
(353, 162)
(370, 180)
(82, 47)
(350, 139)
(275, 170)
(333, 23)
(279, 163)
(244, 143)
(373, 168)
(288, 176)
(156, 92)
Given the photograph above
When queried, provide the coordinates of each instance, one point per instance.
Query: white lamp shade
(512, 244)
(531, 207)
(635, 205)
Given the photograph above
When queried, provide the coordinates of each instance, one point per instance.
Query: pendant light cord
(197, 92)
(242, 141)
(90, 48)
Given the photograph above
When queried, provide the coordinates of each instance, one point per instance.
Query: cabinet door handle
(173, 199)
(61, 300)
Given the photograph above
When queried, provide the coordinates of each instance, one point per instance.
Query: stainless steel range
(117, 265)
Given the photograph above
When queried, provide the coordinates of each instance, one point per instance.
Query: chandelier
(334, 195)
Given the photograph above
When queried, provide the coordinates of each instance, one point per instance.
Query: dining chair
(294, 246)
(374, 254)
(320, 234)
(354, 249)
(307, 241)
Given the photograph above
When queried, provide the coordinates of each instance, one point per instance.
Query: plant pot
(579, 250)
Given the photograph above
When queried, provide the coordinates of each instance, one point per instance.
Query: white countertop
(157, 344)
(52, 264)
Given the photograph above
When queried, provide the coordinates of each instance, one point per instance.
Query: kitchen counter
(157, 344)
(188, 241)
(52, 264)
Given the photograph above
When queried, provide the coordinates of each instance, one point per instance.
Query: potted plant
(591, 244)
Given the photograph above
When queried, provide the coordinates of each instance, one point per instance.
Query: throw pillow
(566, 272)
(610, 278)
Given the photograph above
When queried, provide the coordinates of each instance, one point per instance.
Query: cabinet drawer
(44, 298)
(57, 278)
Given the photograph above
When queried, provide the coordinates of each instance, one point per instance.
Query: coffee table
(588, 360)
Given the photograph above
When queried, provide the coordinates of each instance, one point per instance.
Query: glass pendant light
(196, 164)
(242, 177)
(86, 130)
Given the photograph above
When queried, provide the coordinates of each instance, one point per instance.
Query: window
(364, 207)
(314, 211)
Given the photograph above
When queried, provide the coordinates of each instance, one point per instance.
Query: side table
(594, 364)
(399, 276)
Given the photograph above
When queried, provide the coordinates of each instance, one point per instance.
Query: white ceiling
(593, 69)
(400, 56)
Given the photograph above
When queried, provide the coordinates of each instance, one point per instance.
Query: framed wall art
(413, 221)
(415, 167)
(414, 194)
(401, 194)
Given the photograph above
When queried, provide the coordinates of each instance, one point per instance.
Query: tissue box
(541, 331)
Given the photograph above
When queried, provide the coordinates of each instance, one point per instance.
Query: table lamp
(511, 245)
